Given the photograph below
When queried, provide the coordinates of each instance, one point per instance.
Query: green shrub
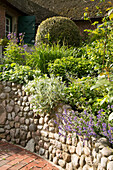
(46, 92)
(14, 54)
(79, 95)
(58, 29)
(4, 42)
(19, 74)
(15, 51)
(41, 55)
(71, 66)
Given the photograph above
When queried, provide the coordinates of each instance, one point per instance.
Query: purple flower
(111, 106)
(108, 106)
(20, 34)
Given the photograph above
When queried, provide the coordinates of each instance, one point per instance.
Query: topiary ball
(60, 30)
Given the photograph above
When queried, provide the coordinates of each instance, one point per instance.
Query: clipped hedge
(58, 30)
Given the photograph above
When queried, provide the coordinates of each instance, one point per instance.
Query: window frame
(9, 18)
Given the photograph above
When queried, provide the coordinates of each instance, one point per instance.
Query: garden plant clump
(79, 76)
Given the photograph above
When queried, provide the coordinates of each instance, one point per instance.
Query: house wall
(8, 10)
(85, 24)
(2, 22)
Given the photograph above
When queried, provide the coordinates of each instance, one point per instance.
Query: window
(8, 25)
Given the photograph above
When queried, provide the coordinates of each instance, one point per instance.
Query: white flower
(110, 117)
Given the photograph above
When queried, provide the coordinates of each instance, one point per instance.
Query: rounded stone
(32, 127)
(46, 154)
(27, 109)
(7, 127)
(7, 89)
(65, 148)
(69, 140)
(17, 133)
(17, 119)
(12, 133)
(30, 114)
(104, 162)
(2, 114)
(23, 135)
(25, 98)
(9, 108)
(72, 149)
(30, 145)
(66, 157)
(35, 121)
(89, 160)
(55, 160)
(39, 127)
(27, 121)
(69, 166)
(16, 108)
(41, 120)
(46, 127)
(106, 151)
(14, 89)
(86, 151)
(87, 167)
(12, 103)
(3, 95)
(41, 151)
(110, 165)
(50, 149)
(50, 157)
(20, 114)
(22, 120)
(41, 143)
(62, 163)
(27, 103)
(110, 158)
(9, 116)
(29, 135)
(31, 120)
(2, 130)
(82, 160)
(8, 83)
(79, 149)
(24, 127)
(75, 160)
(23, 143)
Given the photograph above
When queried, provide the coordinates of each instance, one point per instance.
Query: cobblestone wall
(38, 133)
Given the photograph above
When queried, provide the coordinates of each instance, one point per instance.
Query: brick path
(15, 158)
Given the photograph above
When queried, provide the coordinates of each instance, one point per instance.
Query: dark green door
(26, 24)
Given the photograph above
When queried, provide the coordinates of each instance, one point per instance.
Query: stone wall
(20, 124)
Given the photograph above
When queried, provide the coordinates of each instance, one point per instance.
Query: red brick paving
(15, 158)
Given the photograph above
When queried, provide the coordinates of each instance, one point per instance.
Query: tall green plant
(41, 55)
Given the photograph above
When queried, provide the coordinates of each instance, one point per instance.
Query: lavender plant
(15, 52)
(86, 124)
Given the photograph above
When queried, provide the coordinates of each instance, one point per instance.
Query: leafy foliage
(46, 92)
(71, 66)
(79, 95)
(105, 81)
(17, 73)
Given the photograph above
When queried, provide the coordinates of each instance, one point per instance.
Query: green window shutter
(26, 24)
